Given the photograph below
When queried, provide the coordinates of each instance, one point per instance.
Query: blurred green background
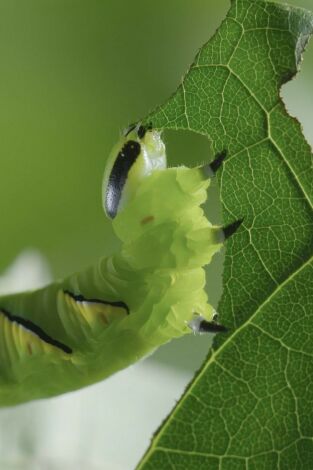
(73, 74)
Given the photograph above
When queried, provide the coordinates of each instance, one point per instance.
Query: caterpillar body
(82, 329)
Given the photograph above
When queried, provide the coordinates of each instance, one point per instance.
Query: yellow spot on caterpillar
(147, 220)
(25, 341)
(89, 315)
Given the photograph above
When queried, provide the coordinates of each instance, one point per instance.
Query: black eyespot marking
(31, 326)
(81, 298)
(123, 163)
(141, 132)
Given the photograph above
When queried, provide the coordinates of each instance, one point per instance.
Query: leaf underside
(251, 404)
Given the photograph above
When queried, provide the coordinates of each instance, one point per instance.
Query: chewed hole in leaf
(189, 148)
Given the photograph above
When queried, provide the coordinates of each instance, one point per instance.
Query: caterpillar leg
(211, 168)
(210, 171)
(220, 234)
(199, 325)
(230, 229)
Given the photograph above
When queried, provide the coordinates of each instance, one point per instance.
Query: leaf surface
(251, 404)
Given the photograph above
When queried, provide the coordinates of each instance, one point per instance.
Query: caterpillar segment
(80, 330)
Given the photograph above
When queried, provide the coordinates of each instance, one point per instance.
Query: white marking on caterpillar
(200, 325)
(194, 324)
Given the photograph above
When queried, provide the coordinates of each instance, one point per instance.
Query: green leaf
(251, 405)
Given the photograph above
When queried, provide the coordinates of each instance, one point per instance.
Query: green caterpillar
(80, 330)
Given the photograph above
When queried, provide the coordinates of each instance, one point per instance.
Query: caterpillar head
(139, 152)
